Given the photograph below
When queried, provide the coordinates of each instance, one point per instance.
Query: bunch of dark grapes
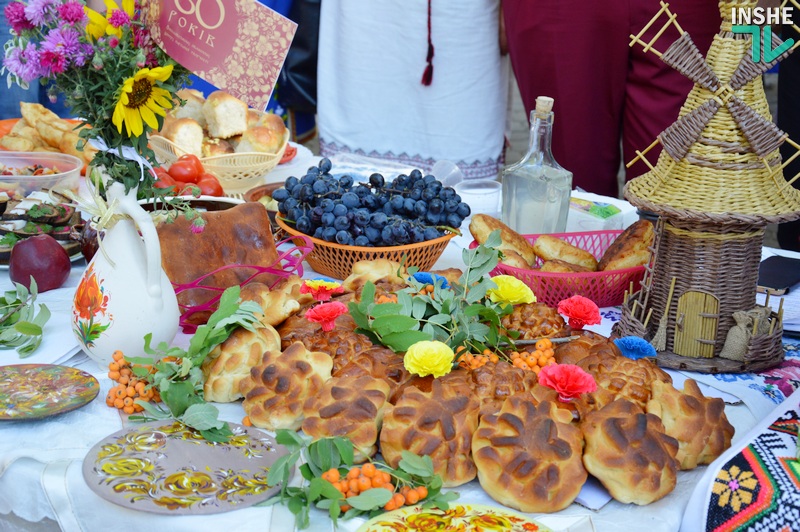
(409, 209)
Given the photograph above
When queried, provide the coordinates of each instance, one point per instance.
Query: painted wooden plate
(166, 468)
(459, 517)
(36, 391)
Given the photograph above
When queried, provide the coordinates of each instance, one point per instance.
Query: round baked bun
(630, 249)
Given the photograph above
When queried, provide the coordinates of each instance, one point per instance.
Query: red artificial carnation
(579, 311)
(321, 290)
(568, 380)
(326, 313)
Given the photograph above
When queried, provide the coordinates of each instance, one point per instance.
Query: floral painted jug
(124, 293)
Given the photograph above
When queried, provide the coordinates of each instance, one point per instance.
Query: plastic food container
(19, 186)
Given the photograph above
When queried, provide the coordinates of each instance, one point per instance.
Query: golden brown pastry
(438, 424)
(697, 422)
(230, 362)
(259, 139)
(529, 456)
(515, 260)
(213, 147)
(560, 266)
(278, 303)
(587, 343)
(240, 235)
(458, 381)
(535, 320)
(451, 274)
(379, 362)
(494, 383)
(185, 133)
(374, 271)
(548, 247)
(351, 407)
(629, 453)
(296, 328)
(580, 406)
(630, 249)
(277, 388)
(631, 379)
(482, 225)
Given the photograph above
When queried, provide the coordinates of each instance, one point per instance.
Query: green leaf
(329, 492)
(418, 308)
(220, 435)
(369, 499)
(345, 448)
(305, 470)
(289, 438)
(179, 396)
(401, 341)
(385, 309)
(384, 325)
(315, 487)
(279, 472)
(440, 319)
(202, 416)
(368, 292)
(295, 504)
(405, 301)
(416, 465)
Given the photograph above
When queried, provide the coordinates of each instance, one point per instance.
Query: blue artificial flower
(635, 348)
(430, 278)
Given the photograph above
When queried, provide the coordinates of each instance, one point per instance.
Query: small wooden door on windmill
(696, 324)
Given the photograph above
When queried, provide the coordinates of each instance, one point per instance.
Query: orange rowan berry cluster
(468, 360)
(129, 388)
(534, 361)
(360, 479)
(425, 290)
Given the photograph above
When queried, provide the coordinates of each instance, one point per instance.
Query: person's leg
(789, 122)
(655, 91)
(577, 53)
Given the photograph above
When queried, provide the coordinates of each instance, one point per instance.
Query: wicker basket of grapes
(409, 219)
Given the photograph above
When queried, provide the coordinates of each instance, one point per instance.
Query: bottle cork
(544, 105)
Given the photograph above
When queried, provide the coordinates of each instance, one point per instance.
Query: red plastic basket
(606, 289)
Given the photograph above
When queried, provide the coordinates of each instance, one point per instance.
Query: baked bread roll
(630, 249)
(278, 303)
(213, 147)
(186, 133)
(240, 235)
(515, 260)
(457, 382)
(378, 362)
(373, 271)
(270, 121)
(192, 106)
(535, 320)
(225, 114)
(482, 225)
(697, 422)
(259, 139)
(529, 456)
(451, 274)
(560, 266)
(548, 247)
(629, 453)
(587, 343)
(438, 424)
(630, 379)
(578, 407)
(494, 383)
(229, 363)
(277, 388)
(298, 329)
(351, 407)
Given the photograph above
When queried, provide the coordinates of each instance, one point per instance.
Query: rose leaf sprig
(460, 315)
(177, 375)
(335, 455)
(21, 327)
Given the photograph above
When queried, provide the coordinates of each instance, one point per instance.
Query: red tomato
(163, 184)
(198, 165)
(165, 179)
(209, 185)
(184, 171)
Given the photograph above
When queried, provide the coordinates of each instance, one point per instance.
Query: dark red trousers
(606, 92)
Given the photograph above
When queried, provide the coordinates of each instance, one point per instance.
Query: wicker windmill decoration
(717, 184)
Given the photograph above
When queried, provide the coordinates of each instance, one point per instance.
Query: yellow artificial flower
(99, 25)
(429, 358)
(140, 100)
(510, 291)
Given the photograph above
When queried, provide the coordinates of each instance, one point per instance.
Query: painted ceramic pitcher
(124, 293)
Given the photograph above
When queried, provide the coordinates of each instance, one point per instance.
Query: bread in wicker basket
(237, 172)
(336, 260)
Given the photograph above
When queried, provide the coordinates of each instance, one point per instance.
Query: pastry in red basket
(535, 320)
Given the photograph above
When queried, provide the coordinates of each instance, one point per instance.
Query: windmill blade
(684, 56)
(762, 134)
(748, 70)
(679, 137)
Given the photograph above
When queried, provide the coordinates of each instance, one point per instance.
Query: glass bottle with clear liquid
(536, 190)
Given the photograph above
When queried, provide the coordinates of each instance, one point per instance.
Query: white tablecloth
(42, 459)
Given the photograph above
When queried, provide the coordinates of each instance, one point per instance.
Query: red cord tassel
(427, 75)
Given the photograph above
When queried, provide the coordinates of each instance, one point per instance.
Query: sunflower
(110, 24)
(140, 100)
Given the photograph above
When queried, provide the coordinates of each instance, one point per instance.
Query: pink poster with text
(236, 45)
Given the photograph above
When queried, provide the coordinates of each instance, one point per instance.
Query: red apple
(42, 257)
